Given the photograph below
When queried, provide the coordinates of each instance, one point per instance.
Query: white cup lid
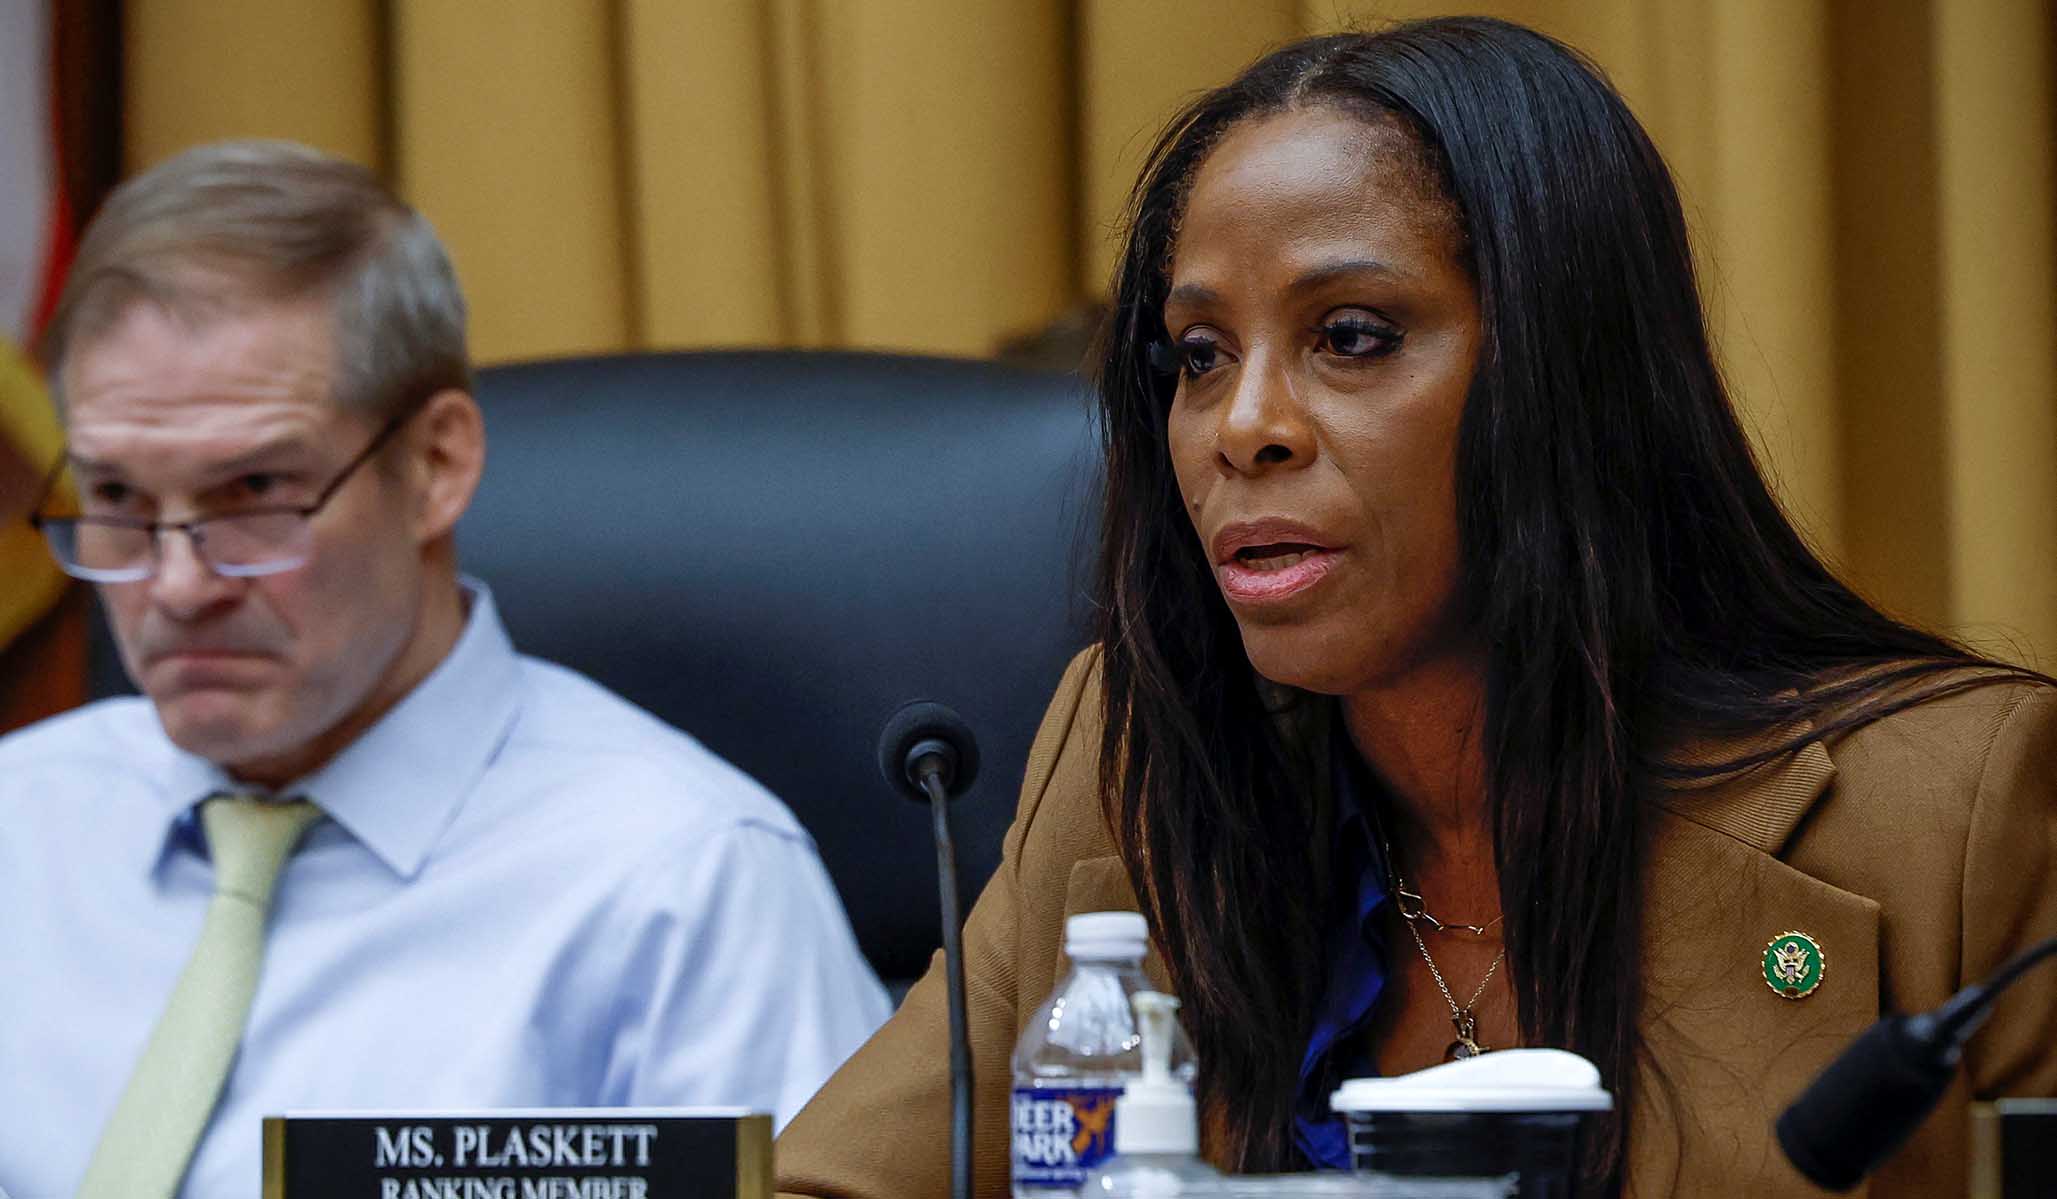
(1511, 1080)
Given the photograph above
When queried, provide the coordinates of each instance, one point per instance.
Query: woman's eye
(1358, 338)
(1197, 355)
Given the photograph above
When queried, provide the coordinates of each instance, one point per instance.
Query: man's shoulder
(107, 731)
(628, 765)
(110, 751)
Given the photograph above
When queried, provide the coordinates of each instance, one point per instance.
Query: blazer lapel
(1724, 1053)
(1761, 806)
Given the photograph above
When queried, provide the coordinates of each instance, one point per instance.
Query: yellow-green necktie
(148, 1142)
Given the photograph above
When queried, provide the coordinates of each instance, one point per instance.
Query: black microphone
(927, 752)
(1879, 1090)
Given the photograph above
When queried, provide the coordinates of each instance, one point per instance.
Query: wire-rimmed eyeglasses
(244, 544)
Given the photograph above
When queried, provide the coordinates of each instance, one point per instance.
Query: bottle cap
(1106, 936)
(1155, 1113)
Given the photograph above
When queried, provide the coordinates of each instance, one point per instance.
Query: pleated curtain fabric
(148, 1142)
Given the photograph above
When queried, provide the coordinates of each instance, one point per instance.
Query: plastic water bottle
(1077, 1055)
(1156, 1124)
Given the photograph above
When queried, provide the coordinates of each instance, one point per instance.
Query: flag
(35, 248)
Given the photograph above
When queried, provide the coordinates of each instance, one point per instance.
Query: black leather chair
(775, 550)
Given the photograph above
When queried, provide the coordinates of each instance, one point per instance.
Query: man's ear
(450, 455)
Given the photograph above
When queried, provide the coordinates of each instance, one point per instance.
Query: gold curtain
(1871, 187)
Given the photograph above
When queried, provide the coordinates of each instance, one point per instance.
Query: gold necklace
(1461, 1017)
(1412, 909)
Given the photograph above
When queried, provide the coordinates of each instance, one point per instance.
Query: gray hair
(223, 227)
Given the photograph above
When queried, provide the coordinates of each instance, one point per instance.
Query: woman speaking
(1459, 684)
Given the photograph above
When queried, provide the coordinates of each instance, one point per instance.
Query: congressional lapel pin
(1794, 964)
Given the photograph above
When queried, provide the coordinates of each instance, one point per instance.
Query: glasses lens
(100, 552)
(256, 544)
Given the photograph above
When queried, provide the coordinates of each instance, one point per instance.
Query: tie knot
(250, 839)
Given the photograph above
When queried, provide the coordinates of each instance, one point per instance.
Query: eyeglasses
(244, 544)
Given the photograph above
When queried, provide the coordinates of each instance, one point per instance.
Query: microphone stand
(931, 781)
(927, 751)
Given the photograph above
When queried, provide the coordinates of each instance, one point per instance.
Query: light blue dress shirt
(528, 892)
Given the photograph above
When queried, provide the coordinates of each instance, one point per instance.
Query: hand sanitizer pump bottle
(1156, 1124)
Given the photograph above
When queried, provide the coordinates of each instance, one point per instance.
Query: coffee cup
(1516, 1116)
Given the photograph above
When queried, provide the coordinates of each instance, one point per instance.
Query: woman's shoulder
(1059, 820)
(1072, 721)
(1898, 716)
(1942, 731)
(1915, 754)
(1968, 763)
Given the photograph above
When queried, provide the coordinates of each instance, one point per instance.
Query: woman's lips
(1270, 574)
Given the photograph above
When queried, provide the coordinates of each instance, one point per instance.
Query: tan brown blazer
(1919, 851)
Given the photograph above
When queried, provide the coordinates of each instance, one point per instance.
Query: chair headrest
(775, 550)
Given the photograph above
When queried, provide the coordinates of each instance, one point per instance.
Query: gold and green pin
(1794, 964)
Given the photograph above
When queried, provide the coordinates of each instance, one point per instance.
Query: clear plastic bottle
(1154, 1176)
(1156, 1124)
(1077, 1055)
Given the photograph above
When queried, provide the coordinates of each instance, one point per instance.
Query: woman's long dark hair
(1623, 563)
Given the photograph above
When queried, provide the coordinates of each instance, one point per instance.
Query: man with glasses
(349, 850)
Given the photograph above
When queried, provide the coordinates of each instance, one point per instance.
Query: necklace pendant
(1466, 1045)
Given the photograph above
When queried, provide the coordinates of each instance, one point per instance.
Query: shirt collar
(1353, 960)
(400, 784)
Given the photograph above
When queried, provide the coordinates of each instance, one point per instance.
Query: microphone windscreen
(1868, 1101)
(922, 721)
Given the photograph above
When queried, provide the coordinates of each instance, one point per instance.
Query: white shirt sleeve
(745, 985)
